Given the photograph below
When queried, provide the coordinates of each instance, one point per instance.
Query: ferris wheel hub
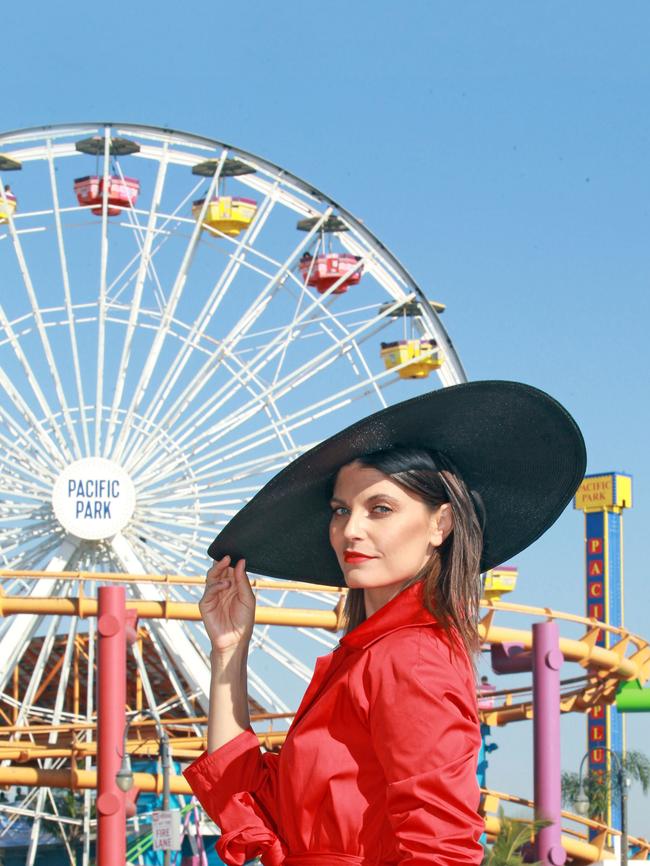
(93, 498)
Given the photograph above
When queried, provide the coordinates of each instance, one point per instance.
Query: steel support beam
(111, 719)
(547, 661)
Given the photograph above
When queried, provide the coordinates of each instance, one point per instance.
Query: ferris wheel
(178, 319)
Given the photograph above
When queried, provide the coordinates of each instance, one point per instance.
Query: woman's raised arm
(228, 611)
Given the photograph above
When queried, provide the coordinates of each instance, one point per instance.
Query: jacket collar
(406, 609)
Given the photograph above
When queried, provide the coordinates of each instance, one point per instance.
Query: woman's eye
(382, 509)
(340, 511)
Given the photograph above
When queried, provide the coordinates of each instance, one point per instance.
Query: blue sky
(501, 151)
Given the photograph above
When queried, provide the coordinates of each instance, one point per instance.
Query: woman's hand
(228, 606)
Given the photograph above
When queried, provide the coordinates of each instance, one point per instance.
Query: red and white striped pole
(111, 719)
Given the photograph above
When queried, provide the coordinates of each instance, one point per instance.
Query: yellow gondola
(424, 356)
(7, 206)
(499, 581)
(226, 214)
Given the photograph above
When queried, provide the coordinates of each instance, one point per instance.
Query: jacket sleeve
(237, 787)
(425, 732)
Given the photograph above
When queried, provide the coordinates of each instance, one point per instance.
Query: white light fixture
(124, 776)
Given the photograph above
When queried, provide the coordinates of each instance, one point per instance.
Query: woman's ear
(442, 523)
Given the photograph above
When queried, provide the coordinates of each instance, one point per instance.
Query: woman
(379, 765)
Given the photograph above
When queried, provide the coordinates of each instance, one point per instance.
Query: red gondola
(122, 192)
(324, 271)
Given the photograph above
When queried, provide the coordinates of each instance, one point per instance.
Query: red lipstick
(355, 556)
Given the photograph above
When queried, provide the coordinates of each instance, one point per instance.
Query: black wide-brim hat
(516, 446)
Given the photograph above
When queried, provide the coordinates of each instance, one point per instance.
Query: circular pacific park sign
(93, 498)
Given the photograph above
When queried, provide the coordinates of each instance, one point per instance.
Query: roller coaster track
(626, 657)
(575, 840)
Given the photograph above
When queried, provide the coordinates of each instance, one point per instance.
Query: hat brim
(512, 443)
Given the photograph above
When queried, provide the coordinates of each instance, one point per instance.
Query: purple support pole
(510, 658)
(547, 661)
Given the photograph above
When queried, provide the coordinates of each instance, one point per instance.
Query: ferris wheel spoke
(230, 341)
(270, 409)
(216, 402)
(147, 688)
(162, 236)
(17, 466)
(35, 556)
(221, 472)
(290, 332)
(145, 259)
(21, 404)
(452, 371)
(188, 518)
(362, 362)
(322, 637)
(234, 367)
(169, 633)
(166, 318)
(63, 825)
(172, 543)
(317, 304)
(226, 426)
(11, 512)
(170, 670)
(101, 318)
(261, 687)
(207, 313)
(176, 493)
(285, 658)
(261, 436)
(286, 343)
(300, 418)
(36, 674)
(65, 278)
(157, 557)
(18, 543)
(52, 738)
(15, 817)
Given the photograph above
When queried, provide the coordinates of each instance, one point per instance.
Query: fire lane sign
(166, 829)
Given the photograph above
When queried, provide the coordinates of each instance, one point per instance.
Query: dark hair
(451, 578)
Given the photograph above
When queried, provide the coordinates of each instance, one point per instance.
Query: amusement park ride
(169, 339)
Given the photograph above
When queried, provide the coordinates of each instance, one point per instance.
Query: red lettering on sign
(596, 568)
(597, 756)
(595, 545)
(595, 589)
(596, 733)
(597, 712)
(596, 610)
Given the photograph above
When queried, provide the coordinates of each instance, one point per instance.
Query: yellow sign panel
(604, 491)
(499, 581)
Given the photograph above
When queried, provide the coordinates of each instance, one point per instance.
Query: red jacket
(379, 765)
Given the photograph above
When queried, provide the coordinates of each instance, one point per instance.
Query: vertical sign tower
(603, 498)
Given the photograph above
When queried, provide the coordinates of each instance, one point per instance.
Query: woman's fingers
(220, 575)
(228, 604)
(242, 582)
(217, 569)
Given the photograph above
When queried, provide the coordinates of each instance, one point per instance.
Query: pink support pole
(547, 661)
(111, 719)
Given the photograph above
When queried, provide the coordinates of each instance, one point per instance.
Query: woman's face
(382, 534)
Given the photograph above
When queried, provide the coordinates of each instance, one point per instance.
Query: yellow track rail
(627, 658)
